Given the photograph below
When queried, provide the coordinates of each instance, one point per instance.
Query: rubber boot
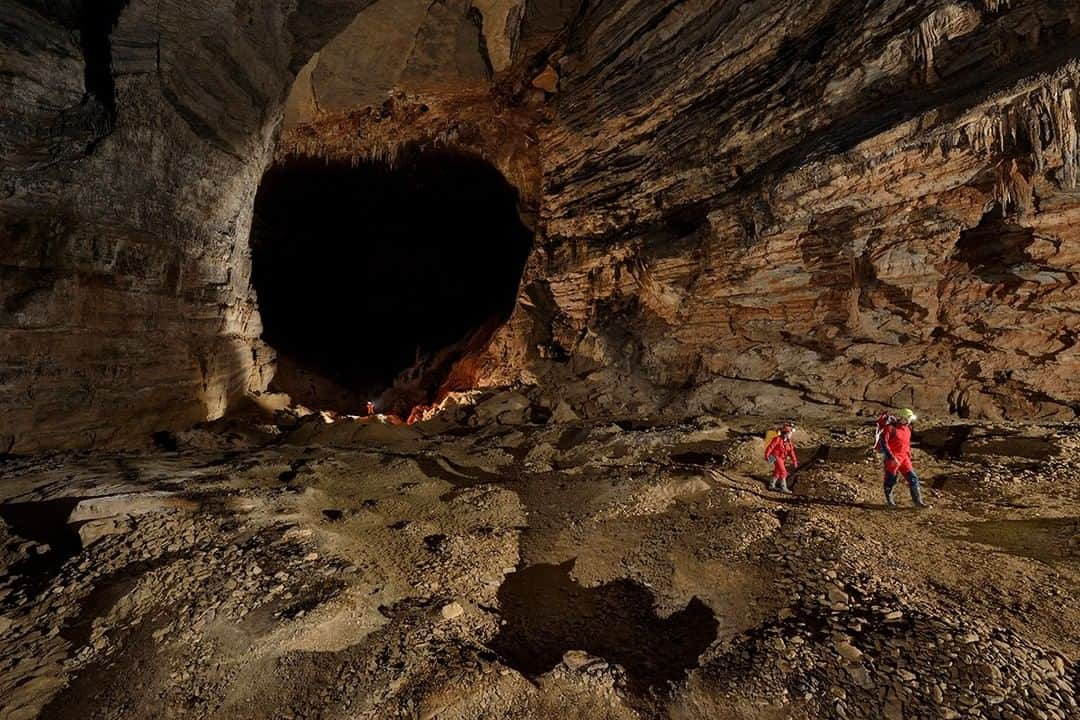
(916, 495)
(889, 500)
(772, 485)
(784, 487)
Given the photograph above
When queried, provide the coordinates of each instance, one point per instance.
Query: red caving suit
(897, 442)
(782, 450)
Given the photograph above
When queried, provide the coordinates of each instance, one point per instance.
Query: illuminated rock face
(758, 207)
(129, 163)
(798, 208)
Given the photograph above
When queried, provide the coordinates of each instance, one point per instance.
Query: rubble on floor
(486, 564)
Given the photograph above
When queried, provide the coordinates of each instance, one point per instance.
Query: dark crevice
(44, 522)
(994, 247)
(477, 18)
(166, 440)
(944, 442)
(97, 20)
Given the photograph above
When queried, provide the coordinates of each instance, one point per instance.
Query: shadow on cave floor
(548, 613)
(44, 522)
(962, 441)
(704, 454)
(460, 477)
(1044, 539)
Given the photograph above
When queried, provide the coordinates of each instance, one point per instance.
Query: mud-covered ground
(495, 563)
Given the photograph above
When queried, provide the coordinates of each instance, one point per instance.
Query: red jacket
(781, 449)
(897, 439)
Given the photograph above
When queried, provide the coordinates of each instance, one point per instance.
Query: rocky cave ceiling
(762, 207)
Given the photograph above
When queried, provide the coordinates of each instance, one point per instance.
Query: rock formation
(774, 206)
(126, 202)
(811, 206)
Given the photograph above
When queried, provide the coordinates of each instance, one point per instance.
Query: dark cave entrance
(364, 271)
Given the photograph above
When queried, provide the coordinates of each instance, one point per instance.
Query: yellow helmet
(907, 415)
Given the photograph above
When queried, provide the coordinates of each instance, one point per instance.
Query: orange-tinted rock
(783, 220)
(548, 80)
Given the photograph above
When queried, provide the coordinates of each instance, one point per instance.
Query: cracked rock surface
(761, 206)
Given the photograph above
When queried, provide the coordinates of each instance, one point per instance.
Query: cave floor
(497, 568)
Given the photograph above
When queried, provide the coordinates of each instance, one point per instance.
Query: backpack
(770, 436)
(880, 429)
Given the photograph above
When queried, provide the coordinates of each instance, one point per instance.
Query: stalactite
(943, 24)
(1041, 123)
(1014, 187)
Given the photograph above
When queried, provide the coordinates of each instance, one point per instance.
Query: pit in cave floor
(366, 270)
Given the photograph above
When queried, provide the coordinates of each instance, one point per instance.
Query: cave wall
(766, 206)
(125, 206)
(777, 207)
(133, 136)
(405, 46)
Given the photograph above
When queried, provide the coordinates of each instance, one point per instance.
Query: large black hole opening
(97, 21)
(363, 270)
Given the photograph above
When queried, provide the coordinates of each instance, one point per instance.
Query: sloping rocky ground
(497, 562)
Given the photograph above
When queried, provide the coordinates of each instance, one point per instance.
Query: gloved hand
(770, 459)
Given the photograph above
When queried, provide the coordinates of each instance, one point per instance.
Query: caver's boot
(772, 485)
(916, 495)
(889, 500)
(784, 487)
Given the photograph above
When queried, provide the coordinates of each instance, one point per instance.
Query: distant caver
(779, 451)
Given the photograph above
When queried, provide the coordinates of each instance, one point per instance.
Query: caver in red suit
(894, 443)
(779, 452)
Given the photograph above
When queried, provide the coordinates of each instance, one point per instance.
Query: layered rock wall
(808, 208)
(133, 136)
(125, 207)
(768, 206)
